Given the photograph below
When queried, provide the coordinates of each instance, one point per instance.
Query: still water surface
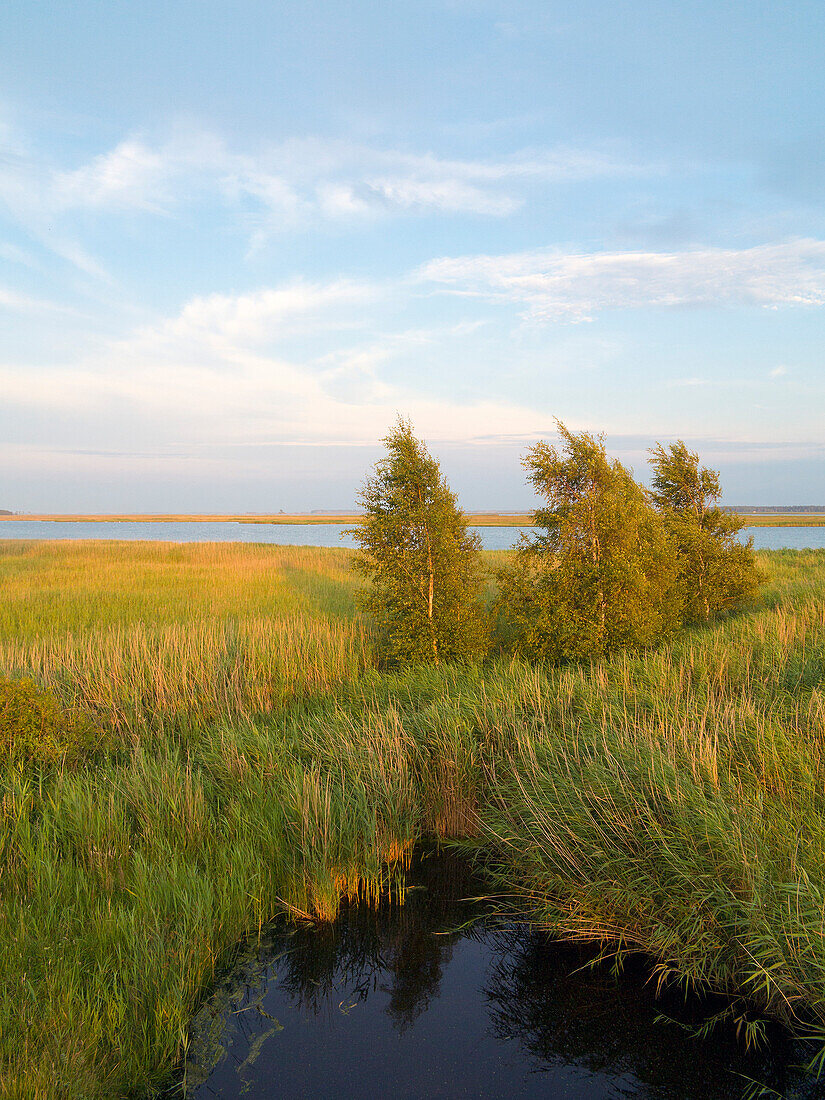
(322, 534)
(429, 1000)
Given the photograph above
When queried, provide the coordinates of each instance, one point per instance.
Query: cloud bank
(553, 285)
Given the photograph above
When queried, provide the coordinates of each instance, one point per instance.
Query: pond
(321, 534)
(432, 999)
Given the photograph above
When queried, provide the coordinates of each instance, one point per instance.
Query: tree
(423, 564)
(717, 572)
(601, 576)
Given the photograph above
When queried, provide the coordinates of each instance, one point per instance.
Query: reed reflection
(368, 988)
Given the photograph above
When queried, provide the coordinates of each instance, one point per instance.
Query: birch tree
(423, 565)
(717, 571)
(600, 572)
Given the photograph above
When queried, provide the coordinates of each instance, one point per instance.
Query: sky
(239, 239)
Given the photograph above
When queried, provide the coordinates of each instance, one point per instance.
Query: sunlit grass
(672, 801)
(148, 634)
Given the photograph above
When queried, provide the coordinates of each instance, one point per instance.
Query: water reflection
(565, 1011)
(426, 999)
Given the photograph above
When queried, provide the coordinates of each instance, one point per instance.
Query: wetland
(221, 773)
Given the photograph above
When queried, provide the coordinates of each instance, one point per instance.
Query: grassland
(148, 635)
(796, 520)
(672, 801)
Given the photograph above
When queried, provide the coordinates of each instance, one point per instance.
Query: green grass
(145, 636)
(672, 801)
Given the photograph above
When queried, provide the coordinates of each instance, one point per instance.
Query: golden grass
(670, 800)
(140, 634)
(798, 520)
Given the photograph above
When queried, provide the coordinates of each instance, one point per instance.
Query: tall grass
(672, 801)
(147, 635)
(124, 887)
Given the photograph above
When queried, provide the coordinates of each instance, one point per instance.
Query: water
(286, 534)
(321, 534)
(413, 1001)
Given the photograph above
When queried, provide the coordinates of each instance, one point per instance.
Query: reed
(672, 801)
(144, 636)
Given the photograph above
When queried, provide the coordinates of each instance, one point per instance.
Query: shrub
(35, 728)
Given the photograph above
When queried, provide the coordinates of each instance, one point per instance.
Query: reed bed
(671, 802)
(145, 636)
(138, 679)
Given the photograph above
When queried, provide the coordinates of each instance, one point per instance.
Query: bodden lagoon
(322, 534)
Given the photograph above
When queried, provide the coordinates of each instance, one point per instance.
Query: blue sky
(236, 240)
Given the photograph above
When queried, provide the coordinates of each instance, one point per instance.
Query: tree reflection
(546, 1006)
(564, 1011)
(401, 949)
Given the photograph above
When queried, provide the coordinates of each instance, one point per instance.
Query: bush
(602, 576)
(36, 728)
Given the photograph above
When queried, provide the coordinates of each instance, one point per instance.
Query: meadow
(253, 762)
(146, 636)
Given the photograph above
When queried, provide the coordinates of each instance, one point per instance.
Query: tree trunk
(595, 553)
(430, 595)
(431, 574)
(703, 588)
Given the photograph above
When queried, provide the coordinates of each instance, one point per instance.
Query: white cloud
(18, 256)
(338, 179)
(553, 285)
(244, 400)
(243, 319)
(561, 164)
(445, 195)
(779, 372)
(290, 182)
(130, 176)
(200, 379)
(23, 303)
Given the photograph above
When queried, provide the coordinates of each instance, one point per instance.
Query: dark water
(412, 1001)
(322, 534)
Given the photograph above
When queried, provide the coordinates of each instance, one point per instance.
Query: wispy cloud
(130, 176)
(291, 182)
(341, 179)
(554, 285)
(244, 319)
(23, 303)
(679, 383)
(207, 376)
(17, 255)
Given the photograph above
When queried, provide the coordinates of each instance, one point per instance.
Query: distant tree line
(776, 509)
(611, 565)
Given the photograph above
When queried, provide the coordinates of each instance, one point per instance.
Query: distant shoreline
(476, 519)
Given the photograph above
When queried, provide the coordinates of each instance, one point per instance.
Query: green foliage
(602, 575)
(35, 728)
(716, 571)
(424, 566)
